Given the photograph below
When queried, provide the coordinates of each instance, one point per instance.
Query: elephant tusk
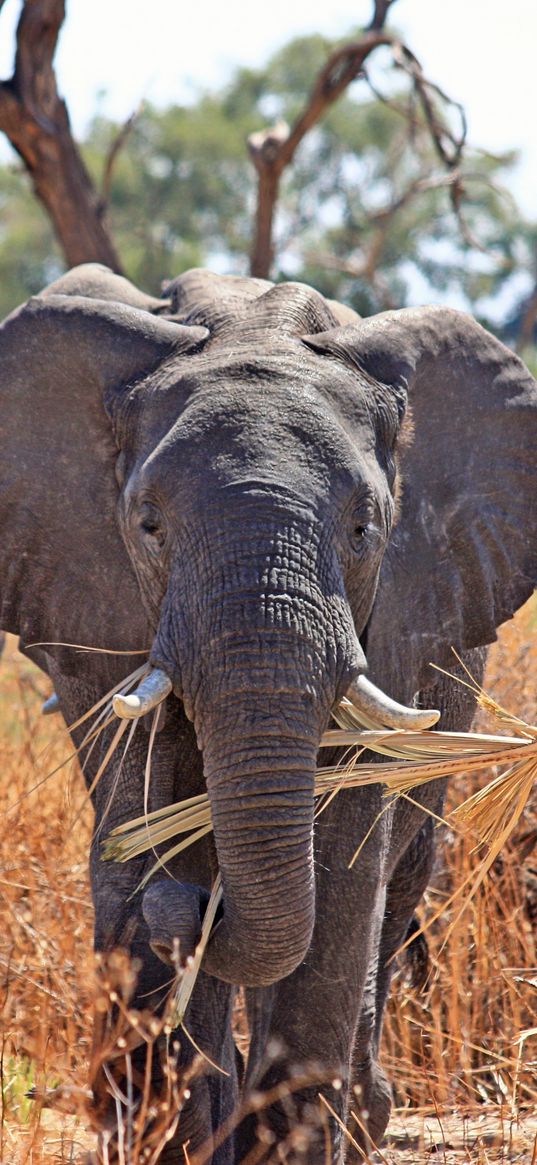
(148, 695)
(383, 712)
(51, 705)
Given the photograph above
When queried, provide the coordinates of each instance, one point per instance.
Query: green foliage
(182, 189)
(529, 356)
(359, 214)
(19, 1076)
(29, 257)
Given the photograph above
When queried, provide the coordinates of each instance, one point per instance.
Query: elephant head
(222, 487)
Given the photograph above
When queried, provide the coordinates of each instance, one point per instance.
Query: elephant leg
(120, 922)
(307, 1031)
(410, 863)
(372, 1091)
(207, 1068)
(206, 1122)
(259, 1008)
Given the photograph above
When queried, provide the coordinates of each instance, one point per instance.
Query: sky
(115, 53)
(482, 52)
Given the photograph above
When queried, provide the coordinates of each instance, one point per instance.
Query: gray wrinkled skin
(240, 480)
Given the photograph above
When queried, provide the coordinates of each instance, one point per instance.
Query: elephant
(267, 497)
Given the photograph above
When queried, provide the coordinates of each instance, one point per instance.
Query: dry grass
(467, 1044)
(45, 944)
(459, 1053)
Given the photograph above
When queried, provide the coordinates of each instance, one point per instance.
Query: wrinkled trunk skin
(259, 758)
(258, 660)
(260, 783)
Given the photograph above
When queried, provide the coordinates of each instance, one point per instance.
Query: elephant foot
(193, 1130)
(372, 1103)
(297, 1130)
(301, 1146)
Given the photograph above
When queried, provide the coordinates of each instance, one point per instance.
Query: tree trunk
(36, 121)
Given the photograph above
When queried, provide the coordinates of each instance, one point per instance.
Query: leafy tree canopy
(364, 214)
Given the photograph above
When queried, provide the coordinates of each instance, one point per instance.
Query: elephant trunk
(258, 661)
(260, 782)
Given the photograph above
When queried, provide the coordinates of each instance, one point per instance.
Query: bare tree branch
(365, 263)
(455, 180)
(37, 37)
(113, 154)
(381, 8)
(365, 266)
(448, 145)
(36, 121)
(273, 149)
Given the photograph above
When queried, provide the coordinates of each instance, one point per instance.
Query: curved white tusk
(51, 705)
(148, 695)
(383, 712)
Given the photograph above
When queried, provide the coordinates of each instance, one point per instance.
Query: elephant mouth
(174, 914)
(261, 788)
(374, 707)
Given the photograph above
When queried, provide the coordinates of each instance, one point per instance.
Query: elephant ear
(94, 281)
(65, 576)
(463, 555)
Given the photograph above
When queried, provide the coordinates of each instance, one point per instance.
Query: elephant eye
(359, 535)
(151, 525)
(364, 532)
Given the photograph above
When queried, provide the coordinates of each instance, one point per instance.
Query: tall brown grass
(467, 1042)
(458, 1051)
(46, 967)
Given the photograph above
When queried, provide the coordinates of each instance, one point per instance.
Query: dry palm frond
(415, 759)
(418, 757)
(496, 809)
(104, 715)
(85, 647)
(190, 974)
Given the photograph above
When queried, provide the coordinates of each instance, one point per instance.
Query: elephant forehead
(283, 430)
(280, 388)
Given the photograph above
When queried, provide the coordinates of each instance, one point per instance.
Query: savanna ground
(461, 1051)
